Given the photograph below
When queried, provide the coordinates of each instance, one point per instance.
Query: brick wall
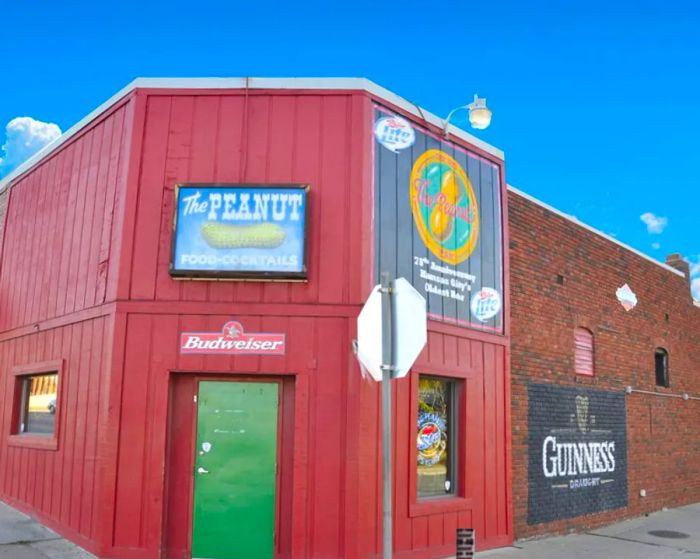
(564, 276)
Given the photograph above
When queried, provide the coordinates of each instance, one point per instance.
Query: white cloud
(694, 267)
(656, 246)
(694, 262)
(695, 288)
(24, 136)
(655, 224)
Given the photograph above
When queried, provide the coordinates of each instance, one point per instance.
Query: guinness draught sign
(577, 452)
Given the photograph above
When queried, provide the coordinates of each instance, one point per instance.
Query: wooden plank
(80, 404)
(500, 442)
(490, 453)
(39, 252)
(419, 532)
(83, 203)
(68, 420)
(178, 157)
(65, 279)
(307, 167)
(229, 151)
(326, 455)
(281, 155)
(58, 230)
(334, 180)
(150, 191)
(162, 360)
(86, 219)
(99, 222)
(205, 128)
(436, 530)
(95, 373)
(129, 507)
(254, 168)
(404, 458)
(115, 183)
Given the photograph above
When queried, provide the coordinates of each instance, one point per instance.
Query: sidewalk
(632, 539)
(24, 538)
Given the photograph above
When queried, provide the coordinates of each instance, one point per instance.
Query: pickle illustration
(260, 235)
(441, 219)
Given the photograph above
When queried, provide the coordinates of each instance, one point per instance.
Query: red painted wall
(663, 434)
(331, 494)
(59, 255)
(57, 287)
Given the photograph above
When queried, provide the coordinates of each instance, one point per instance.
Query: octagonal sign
(409, 330)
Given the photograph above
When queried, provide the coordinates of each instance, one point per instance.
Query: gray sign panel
(439, 222)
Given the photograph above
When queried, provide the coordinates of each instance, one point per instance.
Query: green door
(235, 471)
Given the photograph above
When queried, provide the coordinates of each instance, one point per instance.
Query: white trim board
(572, 219)
(359, 84)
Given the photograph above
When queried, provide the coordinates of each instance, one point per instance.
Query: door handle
(201, 470)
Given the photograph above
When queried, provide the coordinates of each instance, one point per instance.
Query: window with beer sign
(240, 231)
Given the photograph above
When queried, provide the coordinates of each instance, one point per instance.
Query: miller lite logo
(394, 133)
(486, 303)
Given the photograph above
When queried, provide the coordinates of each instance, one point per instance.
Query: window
(37, 407)
(437, 437)
(661, 362)
(583, 349)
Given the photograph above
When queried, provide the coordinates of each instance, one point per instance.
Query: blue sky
(596, 104)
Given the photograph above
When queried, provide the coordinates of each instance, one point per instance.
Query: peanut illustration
(259, 235)
(442, 217)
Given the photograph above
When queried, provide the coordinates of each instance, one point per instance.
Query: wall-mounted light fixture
(479, 114)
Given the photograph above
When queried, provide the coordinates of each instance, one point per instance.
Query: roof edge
(359, 84)
(607, 237)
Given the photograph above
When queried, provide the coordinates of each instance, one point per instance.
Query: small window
(437, 437)
(583, 345)
(661, 362)
(38, 400)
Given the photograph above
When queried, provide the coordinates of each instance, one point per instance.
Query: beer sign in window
(436, 440)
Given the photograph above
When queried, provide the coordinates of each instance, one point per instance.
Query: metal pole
(387, 368)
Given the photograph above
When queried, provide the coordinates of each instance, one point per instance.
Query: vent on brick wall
(583, 345)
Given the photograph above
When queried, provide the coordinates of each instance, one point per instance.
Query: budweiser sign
(232, 340)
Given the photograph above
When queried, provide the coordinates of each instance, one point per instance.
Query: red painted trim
(458, 331)
(4, 228)
(108, 446)
(507, 354)
(125, 218)
(238, 309)
(33, 441)
(58, 322)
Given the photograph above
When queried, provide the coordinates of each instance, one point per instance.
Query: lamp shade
(479, 114)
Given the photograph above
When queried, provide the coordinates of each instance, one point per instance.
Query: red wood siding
(318, 366)
(62, 487)
(319, 140)
(59, 223)
(103, 209)
(428, 528)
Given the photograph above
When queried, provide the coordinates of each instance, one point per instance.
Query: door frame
(188, 382)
